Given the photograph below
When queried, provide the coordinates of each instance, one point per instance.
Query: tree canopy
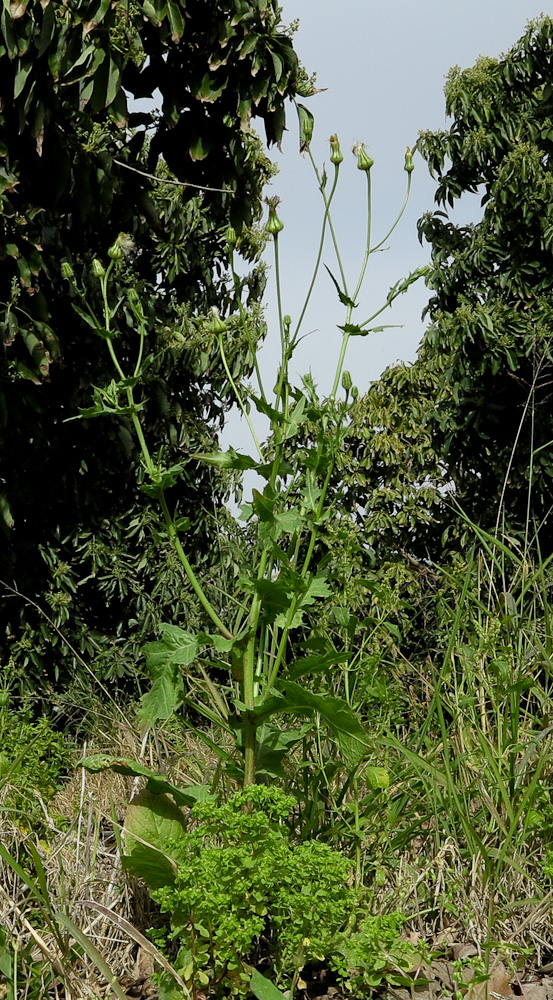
(79, 166)
(473, 413)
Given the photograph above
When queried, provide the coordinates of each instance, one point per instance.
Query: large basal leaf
(152, 824)
(187, 795)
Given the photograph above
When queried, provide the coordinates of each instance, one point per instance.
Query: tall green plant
(285, 576)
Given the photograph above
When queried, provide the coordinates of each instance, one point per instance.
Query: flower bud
(123, 247)
(354, 391)
(67, 271)
(4, 698)
(346, 381)
(231, 236)
(98, 268)
(364, 161)
(216, 324)
(336, 155)
(274, 225)
(115, 252)
(409, 166)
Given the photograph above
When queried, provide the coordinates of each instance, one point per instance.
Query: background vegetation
(316, 740)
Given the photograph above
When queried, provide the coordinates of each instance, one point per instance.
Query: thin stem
(368, 239)
(238, 396)
(242, 311)
(149, 464)
(330, 223)
(283, 372)
(196, 586)
(403, 207)
(326, 219)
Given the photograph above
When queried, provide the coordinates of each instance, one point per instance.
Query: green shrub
(244, 895)
(33, 757)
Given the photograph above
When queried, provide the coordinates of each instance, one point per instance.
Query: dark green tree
(79, 165)
(475, 409)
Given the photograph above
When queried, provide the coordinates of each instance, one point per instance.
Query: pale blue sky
(384, 67)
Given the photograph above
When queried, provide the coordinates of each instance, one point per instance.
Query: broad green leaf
(21, 77)
(316, 587)
(176, 646)
(175, 20)
(230, 459)
(339, 717)
(378, 777)
(199, 147)
(114, 82)
(152, 824)
(186, 795)
(209, 90)
(316, 664)
(264, 989)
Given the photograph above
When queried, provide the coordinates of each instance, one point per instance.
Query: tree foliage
(474, 411)
(79, 164)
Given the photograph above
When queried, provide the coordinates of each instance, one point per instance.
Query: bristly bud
(216, 324)
(354, 391)
(231, 236)
(409, 166)
(274, 225)
(98, 268)
(67, 271)
(346, 381)
(364, 161)
(336, 155)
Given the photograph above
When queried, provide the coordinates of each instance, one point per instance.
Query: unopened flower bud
(274, 225)
(354, 391)
(409, 166)
(231, 236)
(364, 161)
(98, 268)
(115, 252)
(67, 271)
(336, 155)
(346, 381)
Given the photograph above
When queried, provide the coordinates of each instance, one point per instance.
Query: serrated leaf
(317, 664)
(339, 717)
(230, 459)
(344, 299)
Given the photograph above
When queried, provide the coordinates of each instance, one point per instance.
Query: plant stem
(238, 396)
(326, 219)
